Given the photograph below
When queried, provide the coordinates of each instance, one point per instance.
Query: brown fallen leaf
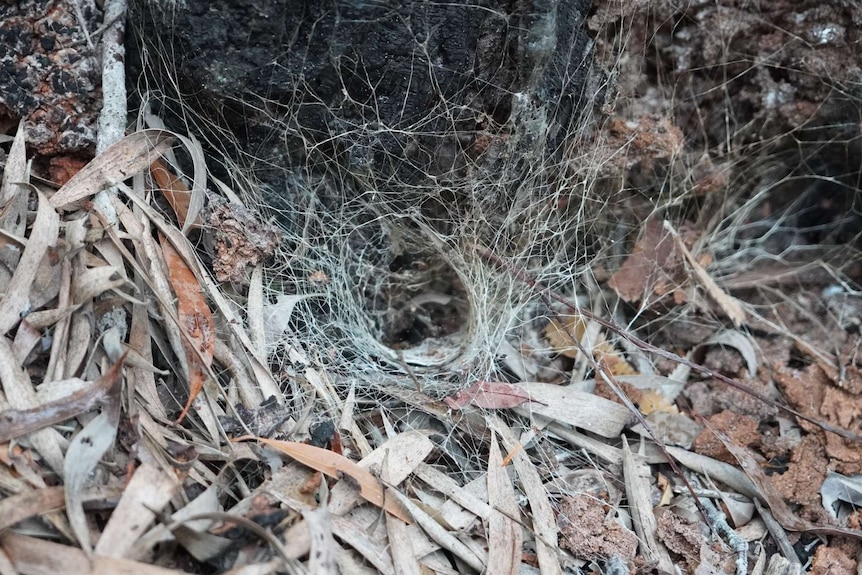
(195, 318)
(650, 261)
(175, 191)
(564, 335)
(488, 395)
(333, 465)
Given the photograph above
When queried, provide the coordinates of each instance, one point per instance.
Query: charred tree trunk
(385, 92)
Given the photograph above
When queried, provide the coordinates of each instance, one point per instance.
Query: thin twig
(112, 119)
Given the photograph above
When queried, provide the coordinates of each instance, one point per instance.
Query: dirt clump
(588, 532)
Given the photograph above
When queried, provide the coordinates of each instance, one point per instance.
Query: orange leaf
(605, 353)
(651, 401)
(174, 189)
(564, 337)
(558, 335)
(195, 318)
(333, 465)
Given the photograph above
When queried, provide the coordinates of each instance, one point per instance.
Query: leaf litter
(124, 440)
(164, 461)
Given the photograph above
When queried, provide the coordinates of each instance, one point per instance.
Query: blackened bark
(404, 92)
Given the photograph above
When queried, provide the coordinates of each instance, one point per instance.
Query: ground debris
(242, 240)
(588, 532)
(387, 397)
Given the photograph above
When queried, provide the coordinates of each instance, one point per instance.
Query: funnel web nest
(404, 282)
(382, 222)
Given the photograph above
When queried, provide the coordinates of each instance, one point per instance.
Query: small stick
(112, 120)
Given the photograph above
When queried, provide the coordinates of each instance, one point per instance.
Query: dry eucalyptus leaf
(14, 191)
(84, 454)
(333, 465)
(15, 173)
(46, 283)
(20, 395)
(504, 533)
(43, 235)
(148, 491)
(119, 162)
(585, 410)
(196, 319)
(17, 422)
(488, 395)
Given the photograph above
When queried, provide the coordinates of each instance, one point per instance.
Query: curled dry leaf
(488, 395)
(15, 423)
(195, 318)
(736, 339)
(837, 488)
